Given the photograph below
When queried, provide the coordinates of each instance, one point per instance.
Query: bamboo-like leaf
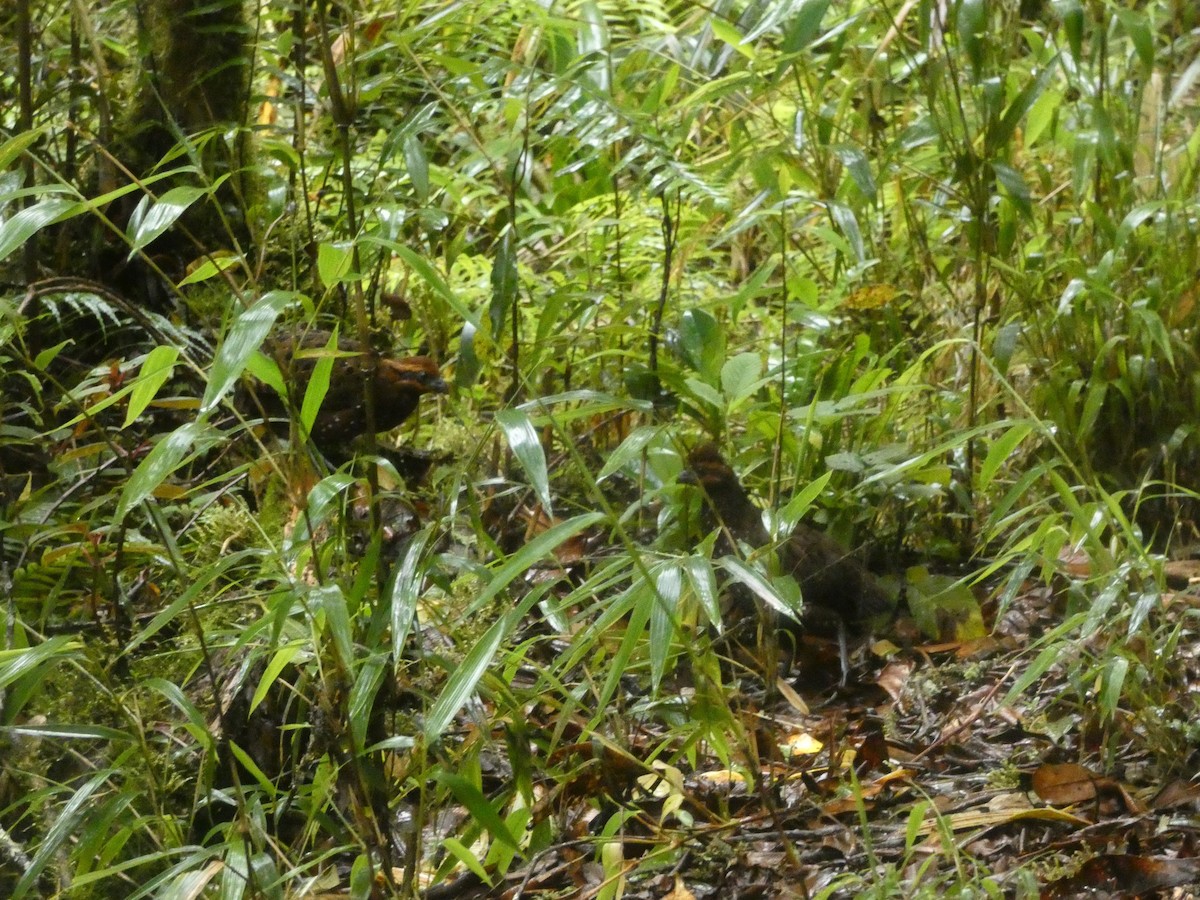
(318, 384)
(245, 336)
(462, 683)
(155, 370)
(19, 662)
(479, 807)
(152, 217)
(169, 454)
(18, 144)
(334, 262)
(18, 229)
(529, 453)
(1000, 452)
(664, 618)
(404, 590)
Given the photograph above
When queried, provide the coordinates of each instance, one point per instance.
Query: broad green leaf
(152, 217)
(1001, 450)
(1137, 26)
(245, 335)
(16, 663)
(462, 683)
(766, 589)
(796, 507)
(214, 265)
(703, 342)
(804, 26)
(972, 24)
(19, 228)
(430, 276)
(197, 725)
(461, 852)
(630, 449)
(155, 370)
(663, 619)
(944, 607)
(66, 827)
(504, 283)
(528, 450)
(727, 32)
(703, 579)
(18, 144)
(479, 807)
(332, 602)
(405, 590)
(279, 661)
(418, 166)
(168, 455)
(847, 222)
(318, 383)
(740, 376)
(334, 262)
(361, 704)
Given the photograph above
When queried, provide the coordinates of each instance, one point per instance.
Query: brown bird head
(727, 500)
(400, 384)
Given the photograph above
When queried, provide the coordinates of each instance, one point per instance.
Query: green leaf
(504, 283)
(278, 662)
(478, 806)
(727, 32)
(740, 376)
(703, 342)
(19, 228)
(18, 144)
(767, 590)
(430, 276)
(361, 704)
(418, 166)
(214, 265)
(244, 337)
(318, 383)
(334, 262)
(529, 453)
(152, 217)
(630, 449)
(405, 589)
(663, 618)
(972, 23)
(461, 685)
(847, 222)
(804, 26)
(1000, 451)
(168, 454)
(17, 663)
(1137, 26)
(703, 581)
(332, 602)
(155, 370)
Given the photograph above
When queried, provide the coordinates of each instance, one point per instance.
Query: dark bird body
(839, 592)
(395, 386)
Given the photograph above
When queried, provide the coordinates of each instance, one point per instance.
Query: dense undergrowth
(931, 283)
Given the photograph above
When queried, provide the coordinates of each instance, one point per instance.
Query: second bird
(836, 587)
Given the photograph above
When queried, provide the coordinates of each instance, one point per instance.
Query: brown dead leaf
(1175, 795)
(894, 677)
(1064, 784)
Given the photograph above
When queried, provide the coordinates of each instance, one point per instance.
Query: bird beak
(435, 384)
